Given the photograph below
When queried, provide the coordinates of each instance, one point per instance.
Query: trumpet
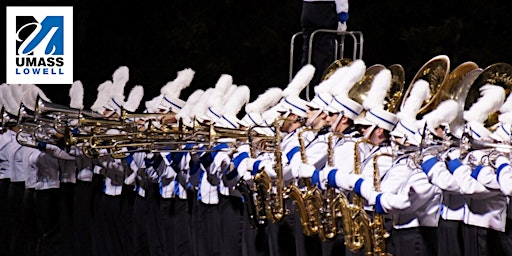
(8, 119)
(125, 115)
(44, 108)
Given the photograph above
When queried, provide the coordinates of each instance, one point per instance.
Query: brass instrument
(499, 74)
(8, 119)
(309, 204)
(272, 203)
(377, 226)
(356, 222)
(435, 72)
(125, 115)
(335, 66)
(335, 203)
(44, 108)
(253, 202)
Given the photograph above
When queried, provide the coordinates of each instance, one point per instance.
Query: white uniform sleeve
(58, 153)
(442, 178)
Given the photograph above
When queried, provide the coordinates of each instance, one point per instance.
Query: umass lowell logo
(41, 39)
(39, 49)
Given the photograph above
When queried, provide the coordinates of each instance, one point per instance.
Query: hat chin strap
(313, 118)
(336, 122)
(369, 131)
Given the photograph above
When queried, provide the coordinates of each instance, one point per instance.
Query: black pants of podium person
(318, 15)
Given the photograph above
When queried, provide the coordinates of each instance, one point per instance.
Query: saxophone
(251, 205)
(356, 222)
(307, 204)
(379, 233)
(272, 203)
(332, 209)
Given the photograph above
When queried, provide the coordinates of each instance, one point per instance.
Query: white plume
(222, 87)
(445, 112)
(299, 81)
(30, 97)
(26, 87)
(104, 90)
(505, 118)
(17, 91)
(9, 102)
(152, 105)
(355, 73)
(191, 102)
(264, 101)
(202, 105)
(119, 80)
(491, 99)
(329, 84)
(134, 98)
(182, 81)
(380, 86)
(420, 92)
(76, 95)
(229, 94)
(271, 114)
(507, 106)
(240, 97)
(17, 95)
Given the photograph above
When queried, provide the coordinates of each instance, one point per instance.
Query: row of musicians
(185, 203)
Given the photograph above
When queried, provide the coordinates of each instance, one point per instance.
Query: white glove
(342, 26)
(324, 174)
(306, 170)
(477, 156)
(452, 154)
(269, 169)
(502, 160)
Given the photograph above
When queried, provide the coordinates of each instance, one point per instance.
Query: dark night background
(250, 40)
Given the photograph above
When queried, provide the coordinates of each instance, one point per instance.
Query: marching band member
(149, 218)
(293, 109)
(206, 213)
(376, 125)
(230, 200)
(254, 233)
(341, 112)
(82, 212)
(405, 193)
(485, 205)
(6, 138)
(114, 216)
(439, 124)
(503, 169)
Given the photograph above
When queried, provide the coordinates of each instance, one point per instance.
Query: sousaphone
(499, 74)
(435, 72)
(334, 66)
(393, 97)
(359, 91)
(459, 94)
